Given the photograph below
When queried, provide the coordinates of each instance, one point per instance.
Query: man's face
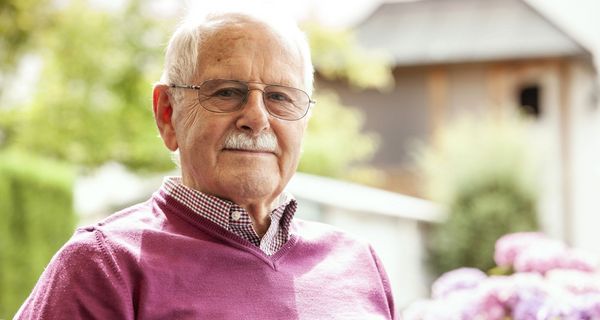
(248, 53)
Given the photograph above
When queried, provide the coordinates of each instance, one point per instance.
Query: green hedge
(483, 171)
(36, 218)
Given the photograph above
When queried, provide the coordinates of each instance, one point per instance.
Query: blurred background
(440, 126)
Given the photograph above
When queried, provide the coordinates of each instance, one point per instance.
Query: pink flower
(510, 246)
(458, 306)
(551, 282)
(529, 308)
(456, 280)
(575, 281)
(417, 310)
(533, 252)
(564, 306)
(510, 290)
(495, 296)
(587, 307)
(461, 305)
(541, 256)
(579, 260)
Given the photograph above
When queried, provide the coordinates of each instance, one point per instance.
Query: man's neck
(260, 212)
(261, 217)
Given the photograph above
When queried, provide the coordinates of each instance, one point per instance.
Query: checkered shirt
(234, 218)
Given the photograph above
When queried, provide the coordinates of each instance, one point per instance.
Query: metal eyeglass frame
(246, 83)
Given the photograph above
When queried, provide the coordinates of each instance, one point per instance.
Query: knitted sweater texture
(159, 260)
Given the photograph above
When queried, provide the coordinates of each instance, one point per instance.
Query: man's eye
(278, 96)
(228, 93)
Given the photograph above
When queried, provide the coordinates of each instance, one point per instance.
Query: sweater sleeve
(385, 282)
(82, 281)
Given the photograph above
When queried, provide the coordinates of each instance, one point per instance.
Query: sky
(578, 17)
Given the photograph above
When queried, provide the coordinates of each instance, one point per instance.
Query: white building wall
(585, 159)
(546, 138)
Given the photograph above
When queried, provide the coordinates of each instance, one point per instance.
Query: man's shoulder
(89, 265)
(122, 228)
(135, 218)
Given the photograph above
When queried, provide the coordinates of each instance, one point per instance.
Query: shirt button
(236, 216)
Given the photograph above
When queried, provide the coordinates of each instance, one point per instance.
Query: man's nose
(254, 117)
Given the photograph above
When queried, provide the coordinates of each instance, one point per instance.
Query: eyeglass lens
(229, 95)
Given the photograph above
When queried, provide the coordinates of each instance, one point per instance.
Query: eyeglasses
(224, 96)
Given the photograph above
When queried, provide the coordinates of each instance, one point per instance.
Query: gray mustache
(266, 142)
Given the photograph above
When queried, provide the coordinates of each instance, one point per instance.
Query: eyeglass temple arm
(184, 86)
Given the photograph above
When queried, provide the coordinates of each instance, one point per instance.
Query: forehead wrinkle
(265, 55)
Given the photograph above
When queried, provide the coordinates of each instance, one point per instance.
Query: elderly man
(221, 241)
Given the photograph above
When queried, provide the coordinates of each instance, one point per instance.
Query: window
(529, 100)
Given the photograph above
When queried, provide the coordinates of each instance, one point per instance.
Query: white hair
(183, 51)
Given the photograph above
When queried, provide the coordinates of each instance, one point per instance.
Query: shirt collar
(223, 212)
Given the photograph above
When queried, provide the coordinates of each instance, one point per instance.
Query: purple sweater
(159, 260)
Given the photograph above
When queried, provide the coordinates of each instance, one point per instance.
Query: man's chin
(249, 161)
(251, 184)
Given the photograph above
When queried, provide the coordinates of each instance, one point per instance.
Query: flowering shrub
(542, 279)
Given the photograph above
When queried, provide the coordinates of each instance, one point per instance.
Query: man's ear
(163, 115)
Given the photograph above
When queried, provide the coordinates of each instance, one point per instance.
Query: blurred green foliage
(337, 55)
(92, 102)
(340, 152)
(17, 20)
(37, 218)
(483, 172)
